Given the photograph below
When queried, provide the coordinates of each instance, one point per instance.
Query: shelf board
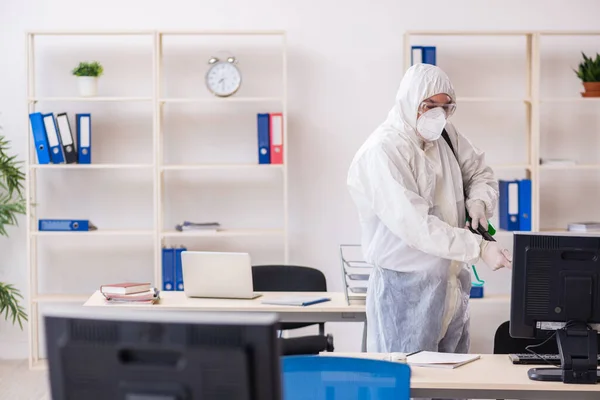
(221, 100)
(223, 32)
(510, 166)
(469, 33)
(570, 33)
(573, 99)
(89, 99)
(91, 32)
(98, 232)
(192, 167)
(570, 167)
(61, 298)
(91, 166)
(493, 100)
(224, 233)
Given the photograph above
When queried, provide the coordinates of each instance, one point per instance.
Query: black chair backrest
(287, 278)
(505, 344)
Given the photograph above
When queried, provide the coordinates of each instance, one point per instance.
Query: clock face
(223, 79)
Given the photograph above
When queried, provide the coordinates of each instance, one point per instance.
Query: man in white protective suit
(411, 190)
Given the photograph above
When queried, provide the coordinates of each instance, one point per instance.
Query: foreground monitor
(149, 355)
(556, 295)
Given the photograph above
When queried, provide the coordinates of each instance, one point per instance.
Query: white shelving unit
(157, 167)
(532, 101)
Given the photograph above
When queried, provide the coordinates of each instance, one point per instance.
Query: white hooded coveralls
(410, 200)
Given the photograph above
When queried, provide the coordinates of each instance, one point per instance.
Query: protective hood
(420, 82)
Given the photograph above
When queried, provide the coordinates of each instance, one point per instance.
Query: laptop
(220, 275)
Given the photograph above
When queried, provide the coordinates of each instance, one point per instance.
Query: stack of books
(130, 292)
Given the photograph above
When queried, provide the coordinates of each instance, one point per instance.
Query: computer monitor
(556, 294)
(129, 354)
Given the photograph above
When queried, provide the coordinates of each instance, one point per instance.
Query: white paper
(85, 132)
(51, 131)
(277, 131)
(430, 357)
(65, 131)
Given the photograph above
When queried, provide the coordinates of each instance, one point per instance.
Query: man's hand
(477, 214)
(494, 256)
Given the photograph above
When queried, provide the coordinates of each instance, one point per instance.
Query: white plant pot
(88, 85)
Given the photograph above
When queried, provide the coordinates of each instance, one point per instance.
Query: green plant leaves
(88, 69)
(9, 304)
(12, 203)
(589, 69)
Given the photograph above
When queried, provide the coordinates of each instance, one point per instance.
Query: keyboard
(530, 359)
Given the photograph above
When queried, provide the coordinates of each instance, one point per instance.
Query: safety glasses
(448, 108)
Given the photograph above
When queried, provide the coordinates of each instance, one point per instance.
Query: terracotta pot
(592, 89)
(591, 94)
(591, 86)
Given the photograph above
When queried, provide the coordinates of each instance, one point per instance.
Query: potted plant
(12, 203)
(589, 73)
(87, 74)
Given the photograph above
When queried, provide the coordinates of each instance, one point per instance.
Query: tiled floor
(17, 382)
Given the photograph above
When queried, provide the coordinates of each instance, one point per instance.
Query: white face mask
(431, 124)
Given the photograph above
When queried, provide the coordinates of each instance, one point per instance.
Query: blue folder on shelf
(65, 225)
(295, 301)
(54, 143)
(525, 205)
(508, 212)
(84, 138)
(423, 55)
(264, 141)
(179, 285)
(39, 138)
(168, 269)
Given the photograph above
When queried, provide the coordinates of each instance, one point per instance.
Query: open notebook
(440, 360)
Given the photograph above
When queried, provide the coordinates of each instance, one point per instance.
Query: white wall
(345, 63)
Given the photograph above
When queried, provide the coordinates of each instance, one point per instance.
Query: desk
(491, 377)
(486, 314)
(335, 310)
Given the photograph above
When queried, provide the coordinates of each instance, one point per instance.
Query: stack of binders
(54, 140)
(270, 138)
(515, 205)
(172, 271)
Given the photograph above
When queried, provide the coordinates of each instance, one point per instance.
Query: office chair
(292, 278)
(337, 378)
(505, 344)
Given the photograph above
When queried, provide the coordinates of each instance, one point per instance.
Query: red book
(125, 288)
(276, 135)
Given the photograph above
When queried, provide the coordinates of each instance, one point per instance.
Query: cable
(528, 348)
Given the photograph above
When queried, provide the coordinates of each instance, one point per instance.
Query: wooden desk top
(492, 374)
(178, 301)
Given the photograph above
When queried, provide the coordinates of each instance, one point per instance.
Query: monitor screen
(155, 355)
(555, 280)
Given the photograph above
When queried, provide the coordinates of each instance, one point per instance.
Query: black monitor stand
(578, 349)
(577, 343)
